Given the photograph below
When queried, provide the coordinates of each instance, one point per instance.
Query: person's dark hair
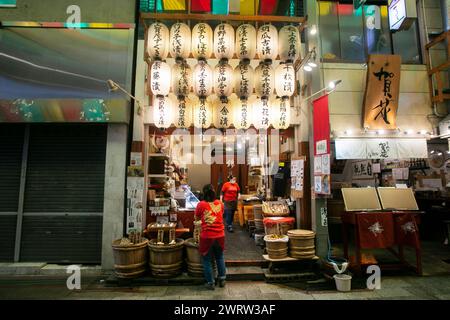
(230, 177)
(209, 194)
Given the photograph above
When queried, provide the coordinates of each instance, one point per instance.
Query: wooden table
(351, 219)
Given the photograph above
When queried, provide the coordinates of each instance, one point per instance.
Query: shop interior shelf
(158, 155)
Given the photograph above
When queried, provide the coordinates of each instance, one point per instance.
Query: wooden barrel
(301, 243)
(166, 261)
(194, 259)
(278, 248)
(130, 261)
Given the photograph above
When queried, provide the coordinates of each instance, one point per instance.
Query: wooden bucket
(275, 245)
(129, 261)
(166, 260)
(301, 238)
(277, 253)
(194, 259)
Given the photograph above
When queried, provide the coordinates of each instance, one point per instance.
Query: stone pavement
(404, 287)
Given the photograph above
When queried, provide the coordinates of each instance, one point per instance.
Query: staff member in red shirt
(230, 196)
(212, 235)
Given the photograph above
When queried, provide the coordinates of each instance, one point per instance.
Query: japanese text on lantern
(266, 42)
(382, 92)
(243, 35)
(201, 39)
(157, 38)
(221, 35)
(181, 113)
(176, 39)
(156, 77)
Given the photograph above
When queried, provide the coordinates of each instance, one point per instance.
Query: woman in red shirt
(212, 235)
(230, 196)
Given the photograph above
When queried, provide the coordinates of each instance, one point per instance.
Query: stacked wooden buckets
(301, 244)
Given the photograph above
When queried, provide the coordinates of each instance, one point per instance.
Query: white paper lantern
(160, 76)
(203, 79)
(262, 113)
(264, 80)
(224, 41)
(180, 41)
(244, 80)
(183, 110)
(267, 42)
(246, 42)
(285, 80)
(202, 41)
(158, 41)
(203, 113)
(223, 80)
(289, 44)
(222, 113)
(243, 113)
(181, 79)
(281, 113)
(162, 111)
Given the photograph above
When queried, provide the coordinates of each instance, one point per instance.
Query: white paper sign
(318, 164)
(136, 159)
(317, 184)
(376, 168)
(326, 164)
(382, 149)
(321, 147)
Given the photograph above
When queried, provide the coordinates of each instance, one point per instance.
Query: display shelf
(158, 176)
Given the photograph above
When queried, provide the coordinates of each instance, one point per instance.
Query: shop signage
(388, 148)
(8, 3)
(322, 164)
(382, 92)
(402, 13)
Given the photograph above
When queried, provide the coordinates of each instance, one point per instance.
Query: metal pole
(23, 175)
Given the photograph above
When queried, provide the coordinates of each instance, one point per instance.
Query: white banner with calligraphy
(350, 149)
(388, 148)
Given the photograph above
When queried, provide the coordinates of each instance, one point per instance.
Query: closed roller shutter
(64, 194)
(11, 145)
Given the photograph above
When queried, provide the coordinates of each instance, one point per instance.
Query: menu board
(361, 199)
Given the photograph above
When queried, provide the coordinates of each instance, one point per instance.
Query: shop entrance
(182, 163)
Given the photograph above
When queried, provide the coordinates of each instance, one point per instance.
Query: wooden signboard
(397, 199)
(361, 199)
(382, 92)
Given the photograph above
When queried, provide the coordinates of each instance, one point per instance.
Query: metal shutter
(11, 145)
(62, 239)
(64, 194)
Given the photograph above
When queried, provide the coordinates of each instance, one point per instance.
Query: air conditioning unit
(444, 128)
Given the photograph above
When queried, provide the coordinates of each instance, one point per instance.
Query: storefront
(63, 135)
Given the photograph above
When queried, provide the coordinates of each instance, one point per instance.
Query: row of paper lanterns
(223, 42)
(223, 80)
(182, 112)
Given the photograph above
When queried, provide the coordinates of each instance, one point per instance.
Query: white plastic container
(343, 282)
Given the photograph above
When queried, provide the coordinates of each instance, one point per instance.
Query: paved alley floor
(402, 288)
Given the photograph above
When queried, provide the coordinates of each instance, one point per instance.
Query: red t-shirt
(212, 219)
(230, 191)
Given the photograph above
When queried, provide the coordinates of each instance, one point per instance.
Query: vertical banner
(322, 163)
(382, 92)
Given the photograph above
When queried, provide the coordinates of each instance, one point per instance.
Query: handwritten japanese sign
(382, 92)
